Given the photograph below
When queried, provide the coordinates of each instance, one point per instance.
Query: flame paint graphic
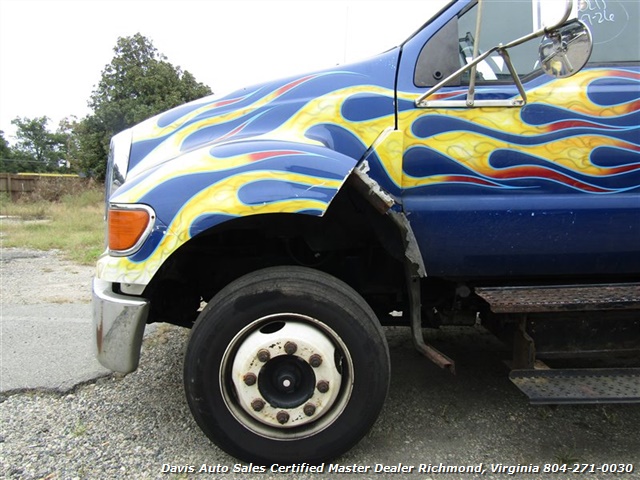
(580, 134)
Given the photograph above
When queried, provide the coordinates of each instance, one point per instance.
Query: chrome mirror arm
(476, 50)
(502, 50)
(512, 70)
(439, 85)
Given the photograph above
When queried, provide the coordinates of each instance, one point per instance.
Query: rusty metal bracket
(415, 313)
(524, 350)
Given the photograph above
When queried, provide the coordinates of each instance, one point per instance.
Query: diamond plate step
(562, 298)
(600, 385)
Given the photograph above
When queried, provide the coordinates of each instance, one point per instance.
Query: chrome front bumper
(118, 322)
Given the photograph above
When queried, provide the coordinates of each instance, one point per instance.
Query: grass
(74, 225)
(80, 429)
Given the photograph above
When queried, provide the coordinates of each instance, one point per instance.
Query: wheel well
(351, 241)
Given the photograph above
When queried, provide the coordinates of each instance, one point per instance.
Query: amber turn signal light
(127, 227)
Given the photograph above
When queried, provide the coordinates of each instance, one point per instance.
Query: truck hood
(341, 108)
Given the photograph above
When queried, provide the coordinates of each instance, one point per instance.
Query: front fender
(207, 187)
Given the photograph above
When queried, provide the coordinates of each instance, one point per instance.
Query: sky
(52, 52)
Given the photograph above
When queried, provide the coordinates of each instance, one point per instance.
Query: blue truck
(484, 173)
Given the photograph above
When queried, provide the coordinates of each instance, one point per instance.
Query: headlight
(117, 164)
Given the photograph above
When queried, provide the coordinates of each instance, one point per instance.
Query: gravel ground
(132, 426)
(32, 277)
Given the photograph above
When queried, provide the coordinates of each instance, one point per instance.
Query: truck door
(548, 188)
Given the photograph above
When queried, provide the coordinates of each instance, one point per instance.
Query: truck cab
(484, 173)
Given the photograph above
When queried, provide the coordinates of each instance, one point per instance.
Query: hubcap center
(286, 381)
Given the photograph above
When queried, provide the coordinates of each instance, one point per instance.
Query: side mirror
(551, 14)
(564, 51)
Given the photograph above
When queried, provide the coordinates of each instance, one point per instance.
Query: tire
(286, 365)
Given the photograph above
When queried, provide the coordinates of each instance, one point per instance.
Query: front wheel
(286, 365)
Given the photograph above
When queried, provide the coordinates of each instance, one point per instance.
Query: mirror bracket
(423, 102)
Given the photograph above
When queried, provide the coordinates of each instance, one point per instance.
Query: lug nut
(290, 348)
(263, 355)
(250, 379)
(315, 360)
(257, 404)
(309, 409)
(323, 386)
(282, 417)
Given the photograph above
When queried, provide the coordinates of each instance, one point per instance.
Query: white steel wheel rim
(286, 376)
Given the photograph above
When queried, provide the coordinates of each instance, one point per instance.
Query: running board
(562, 298)
(579, 386)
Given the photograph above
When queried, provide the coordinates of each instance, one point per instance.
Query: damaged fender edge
(383, 203)
(414, 264)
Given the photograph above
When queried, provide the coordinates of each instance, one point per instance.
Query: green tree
(67, 130)
(5, 151)
(137, 84)
(7, 162)
(93, 139)
(38, 149)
